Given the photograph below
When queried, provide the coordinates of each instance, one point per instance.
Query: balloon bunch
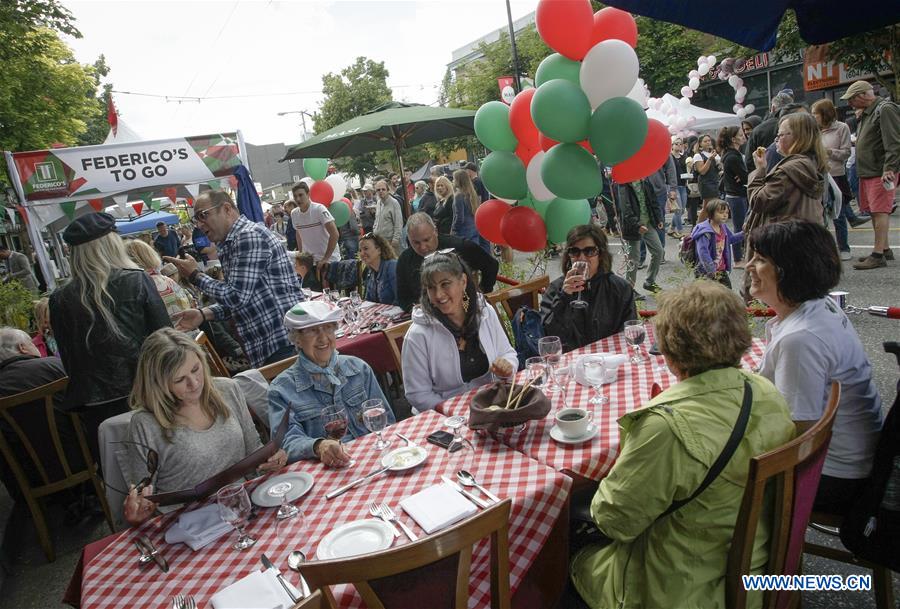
(329, 190)
(545, 146)
(726, 72)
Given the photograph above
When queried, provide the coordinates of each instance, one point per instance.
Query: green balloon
(618, 129)
(317, 169)
(561, 111)
(340, 212)
(570, 172)
(539, 206)
(503, 173)
(492, 127)
(562, 215)
(558, 66)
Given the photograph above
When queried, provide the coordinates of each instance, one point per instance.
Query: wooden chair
(793, 472)
(314, 601)
(440, 562)
(50, 481)
(524, 294)
(216, 366)
(394, 336)
(270, 371)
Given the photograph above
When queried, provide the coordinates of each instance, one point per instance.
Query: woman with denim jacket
(380, 275)
(320, 377)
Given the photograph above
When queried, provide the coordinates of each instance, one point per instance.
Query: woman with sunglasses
(610, 298)
(380, 274)
(456, 341)
(197, 425)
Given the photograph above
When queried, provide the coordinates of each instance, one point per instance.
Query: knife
(268, 565)
(474, 499)
(158, 558)
(343, 489)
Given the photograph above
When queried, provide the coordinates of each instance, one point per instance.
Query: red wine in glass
(335, 430)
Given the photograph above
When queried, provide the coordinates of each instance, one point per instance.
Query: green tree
(97, 123)
(358, 88)
(667, 52)
(21, 17)
(872, 52)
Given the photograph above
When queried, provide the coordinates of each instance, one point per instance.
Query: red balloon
(547, 143)
(524, 229)
(526, 152)
(614, 24)
(347, 201)
(488, 217)
(321, 192)
(520, 117)
(566, 26)
(652, 155)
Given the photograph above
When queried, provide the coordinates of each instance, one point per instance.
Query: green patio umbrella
(394, 125)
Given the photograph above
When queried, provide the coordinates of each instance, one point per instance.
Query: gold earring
(465, 302)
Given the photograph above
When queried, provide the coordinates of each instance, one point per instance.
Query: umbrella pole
(404, 204)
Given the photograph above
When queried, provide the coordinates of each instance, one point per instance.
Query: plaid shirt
(259, 288)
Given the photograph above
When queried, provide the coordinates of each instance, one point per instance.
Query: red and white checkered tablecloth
(113, 578)
(592, 459)
(371, 347)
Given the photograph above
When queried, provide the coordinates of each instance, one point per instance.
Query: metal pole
(515, 55)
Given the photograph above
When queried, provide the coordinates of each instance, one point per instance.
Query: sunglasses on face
(588, 252)
(203, 214)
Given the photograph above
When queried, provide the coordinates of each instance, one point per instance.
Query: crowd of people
(123, 327)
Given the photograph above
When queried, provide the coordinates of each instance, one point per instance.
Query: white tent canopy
(703, 119)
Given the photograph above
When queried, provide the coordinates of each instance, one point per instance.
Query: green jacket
(667, 449)
(878, 139)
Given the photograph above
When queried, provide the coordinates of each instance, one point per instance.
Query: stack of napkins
(198, 528)
(259, 590)
(612, 360)
(437, 507)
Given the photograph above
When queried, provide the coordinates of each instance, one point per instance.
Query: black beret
(89, 227)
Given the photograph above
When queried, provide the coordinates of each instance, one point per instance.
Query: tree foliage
(21, 17)
(667, 52)
(359, 88)
(97, 123)
(872, 52)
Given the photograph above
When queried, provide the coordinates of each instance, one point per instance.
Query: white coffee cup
(573, 422)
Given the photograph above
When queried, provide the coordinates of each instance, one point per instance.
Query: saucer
(557, 435)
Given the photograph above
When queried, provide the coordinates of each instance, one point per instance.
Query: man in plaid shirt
(259, 288)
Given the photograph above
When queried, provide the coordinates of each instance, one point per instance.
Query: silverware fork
(190, 604)
(375, 510)
(178, 601)
(388, 513)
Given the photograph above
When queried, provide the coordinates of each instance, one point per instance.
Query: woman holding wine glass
(589, 302)
(323, 389)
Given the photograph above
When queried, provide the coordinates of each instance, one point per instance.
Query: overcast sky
(275, 51)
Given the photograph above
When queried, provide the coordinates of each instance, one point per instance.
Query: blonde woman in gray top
(197, 425)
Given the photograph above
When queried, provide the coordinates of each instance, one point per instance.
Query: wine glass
(335, 421)
(459, 449)
(234, 508)
(594, 373)
(580, 268)
(563, 372)
(375, 420)
(634, 336)
(537, 371)
(550, 348)
(285, 510)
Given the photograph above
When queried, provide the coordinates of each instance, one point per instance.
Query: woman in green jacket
(667, 448)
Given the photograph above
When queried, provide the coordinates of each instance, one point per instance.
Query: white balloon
(733, 80)
(693, 74)
(639, 93)
(722, 75)
(339, 185)
(686, 91)
(307, 180)
(684, 102)
(533, 177)
(711, 60)
(742, 91)
(703, 69)
(609, 70)
(654, 103)
(681, 122)
(736, 107)
(673, 129)
(510, 201)
(750, 108)
(694, 83)
(739, 99)
(740, 82)
(691, 120)
(701, 60)
(742, 113)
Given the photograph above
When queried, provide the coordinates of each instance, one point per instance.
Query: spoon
(405, 439)
(295, 559)
(467, 479)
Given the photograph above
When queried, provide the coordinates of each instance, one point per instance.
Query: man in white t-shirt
(314, 225)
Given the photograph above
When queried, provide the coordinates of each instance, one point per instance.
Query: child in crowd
(712, 242)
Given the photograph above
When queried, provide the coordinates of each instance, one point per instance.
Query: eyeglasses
(444, 252)
(588, 252)
(203, 214)
(152, 463)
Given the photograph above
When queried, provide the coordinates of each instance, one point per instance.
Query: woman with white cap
(321, 377)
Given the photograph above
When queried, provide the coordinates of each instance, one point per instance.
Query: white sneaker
(846, 256)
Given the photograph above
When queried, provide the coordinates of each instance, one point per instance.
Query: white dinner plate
(557, 434)
(405, 458)
(360, 537)
(300, 482)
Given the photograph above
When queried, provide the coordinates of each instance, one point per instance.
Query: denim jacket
(306, 392)
(381, 287)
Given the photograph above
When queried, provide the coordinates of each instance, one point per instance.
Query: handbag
(584, 531)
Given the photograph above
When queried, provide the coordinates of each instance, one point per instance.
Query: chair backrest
(440, 562)
(394, 336)
(524, 294)
(316, 600)
(793, 472)
(216, 366)
(270, 371)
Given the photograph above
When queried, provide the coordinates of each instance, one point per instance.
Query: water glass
(634, 336)
(375, 420)
(285, 510)
(234, 508)
(550, 348)
(537, 371)
(594, 373)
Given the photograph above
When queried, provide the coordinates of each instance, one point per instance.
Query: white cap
(312, 313)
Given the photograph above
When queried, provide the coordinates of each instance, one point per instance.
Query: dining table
(591, 459)
(113, 579)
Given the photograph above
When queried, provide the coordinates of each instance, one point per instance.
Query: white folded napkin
(259, 590)
(437, 507)
(391, 311)
(198, 528)
(613, 361)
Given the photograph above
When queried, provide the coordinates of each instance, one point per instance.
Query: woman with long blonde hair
(443, 209)
(100, 318)
(465, 203)
(197, 425)
(175, 297)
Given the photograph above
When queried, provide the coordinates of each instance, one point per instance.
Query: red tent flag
(112, 116)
